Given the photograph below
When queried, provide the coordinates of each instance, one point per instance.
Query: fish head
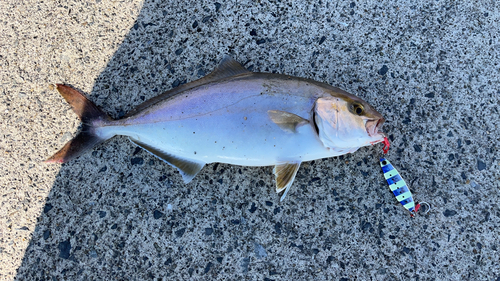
(346, 122)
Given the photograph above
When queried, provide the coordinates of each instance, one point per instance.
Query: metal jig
(399, 188)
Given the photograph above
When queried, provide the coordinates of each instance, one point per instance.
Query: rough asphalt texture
(431, 68)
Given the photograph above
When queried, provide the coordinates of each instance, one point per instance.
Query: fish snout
(373, 127)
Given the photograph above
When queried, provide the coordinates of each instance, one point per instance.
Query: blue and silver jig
(399, 188)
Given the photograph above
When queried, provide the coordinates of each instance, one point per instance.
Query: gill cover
(338, 128)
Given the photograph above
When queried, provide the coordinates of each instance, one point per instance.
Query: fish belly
(250, 140)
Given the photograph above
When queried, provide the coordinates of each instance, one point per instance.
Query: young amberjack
(237, 117)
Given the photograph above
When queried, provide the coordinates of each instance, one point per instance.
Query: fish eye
(358, 109)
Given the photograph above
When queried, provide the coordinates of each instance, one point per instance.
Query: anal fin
(188, 168)
(285, 175)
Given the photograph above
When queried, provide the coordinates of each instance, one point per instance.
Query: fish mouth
(373, 127)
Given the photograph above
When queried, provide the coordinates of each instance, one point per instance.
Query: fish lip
(373, 126)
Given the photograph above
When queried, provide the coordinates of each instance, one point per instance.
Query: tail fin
(90, 114)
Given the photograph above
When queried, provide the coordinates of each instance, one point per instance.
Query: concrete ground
(430, 67)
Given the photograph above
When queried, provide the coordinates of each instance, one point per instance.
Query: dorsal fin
(227, 67)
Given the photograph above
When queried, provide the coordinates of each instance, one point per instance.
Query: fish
(398, 187)
(237, 117)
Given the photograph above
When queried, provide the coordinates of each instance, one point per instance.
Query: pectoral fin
(188, 168)
(286, 120)
(285, 174)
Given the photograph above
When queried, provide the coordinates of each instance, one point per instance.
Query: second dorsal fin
(227, 67)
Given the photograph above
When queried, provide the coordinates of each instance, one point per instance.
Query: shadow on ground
(117, 212)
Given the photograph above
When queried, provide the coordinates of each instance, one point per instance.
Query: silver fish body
(238, 117)
(228, 122)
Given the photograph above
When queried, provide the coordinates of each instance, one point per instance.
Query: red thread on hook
(417, 207)
(415, 210)
(386, 145)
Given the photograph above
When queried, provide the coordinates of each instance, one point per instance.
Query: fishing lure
(399, 188)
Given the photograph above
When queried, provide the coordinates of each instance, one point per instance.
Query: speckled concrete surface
(432, 69)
